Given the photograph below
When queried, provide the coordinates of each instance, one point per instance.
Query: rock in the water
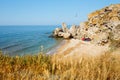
(66, 35)
(56, 31)
(64, 28)
(73, 30)
(60, 34)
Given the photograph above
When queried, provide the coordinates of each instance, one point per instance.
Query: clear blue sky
(48, 12)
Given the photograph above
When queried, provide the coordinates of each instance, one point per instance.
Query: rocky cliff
(101, 27)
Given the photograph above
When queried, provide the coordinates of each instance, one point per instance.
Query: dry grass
(44, 67)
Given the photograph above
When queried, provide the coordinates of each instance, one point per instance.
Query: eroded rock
(66, 35)
(56, 31)
(64, 28)
(102, 25)
(73, 30)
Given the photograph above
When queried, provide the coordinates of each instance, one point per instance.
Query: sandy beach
(75, 47)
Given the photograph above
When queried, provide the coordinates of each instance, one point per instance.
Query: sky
(48, 12)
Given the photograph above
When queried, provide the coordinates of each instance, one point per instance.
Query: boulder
(56, 31)
(64, 28)
(82, 30)
(60, 34)
(66, 35)
(73, 30)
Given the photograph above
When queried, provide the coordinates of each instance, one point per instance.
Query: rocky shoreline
(102, 27)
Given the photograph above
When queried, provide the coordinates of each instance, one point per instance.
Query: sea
(16, 40)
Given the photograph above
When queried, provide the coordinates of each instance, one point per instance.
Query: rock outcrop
(73, 30)
(101, 26)
(62, 32)
(102, 23)
(56, 32)
(64, 28)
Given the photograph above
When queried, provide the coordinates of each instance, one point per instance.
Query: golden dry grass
(44, 67)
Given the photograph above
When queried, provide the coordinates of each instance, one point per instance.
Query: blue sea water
(22, 40)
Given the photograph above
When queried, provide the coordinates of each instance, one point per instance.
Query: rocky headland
(101, 29)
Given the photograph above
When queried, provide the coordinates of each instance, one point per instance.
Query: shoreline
(55, 48)
(75, 48)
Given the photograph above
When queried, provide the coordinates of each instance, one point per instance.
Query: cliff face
(101, 26)
(104, 24)
(110, 13)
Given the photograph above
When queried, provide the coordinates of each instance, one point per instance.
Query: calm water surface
(21, 40)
